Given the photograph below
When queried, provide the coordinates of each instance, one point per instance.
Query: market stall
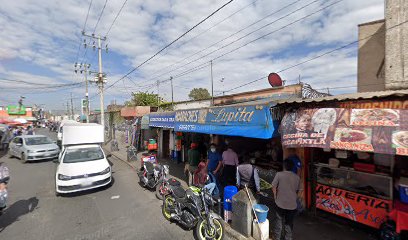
(357, 158)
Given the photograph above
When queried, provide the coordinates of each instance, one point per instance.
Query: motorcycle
(151, 175)
(163, 188)
(191, 209)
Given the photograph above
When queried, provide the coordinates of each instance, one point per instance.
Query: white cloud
(47, 34)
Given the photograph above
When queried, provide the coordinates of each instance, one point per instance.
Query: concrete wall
(192, 104)
(396, 39)
(371, 55)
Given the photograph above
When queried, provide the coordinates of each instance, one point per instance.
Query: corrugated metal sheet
(350, 96)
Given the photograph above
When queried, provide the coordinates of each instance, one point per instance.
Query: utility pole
(68, 110)
(212, 84)
(72, 109)
(83, 68)
(101, 78)
(158, 93)
(172, 92)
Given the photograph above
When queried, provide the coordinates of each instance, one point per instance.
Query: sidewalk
(307, 227)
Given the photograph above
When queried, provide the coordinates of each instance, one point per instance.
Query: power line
(116, 17)
(171, 43)
(254, 40)
(100, 15)
(231, 35)
(320, 55)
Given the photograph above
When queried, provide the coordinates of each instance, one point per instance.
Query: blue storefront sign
(245, 120)
(162, 120)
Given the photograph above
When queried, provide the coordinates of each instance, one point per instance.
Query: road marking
(115, 197)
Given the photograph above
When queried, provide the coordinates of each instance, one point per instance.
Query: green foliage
(144, 99)
(199, 94)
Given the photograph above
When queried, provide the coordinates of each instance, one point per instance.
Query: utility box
(242, 216)
(82, 133)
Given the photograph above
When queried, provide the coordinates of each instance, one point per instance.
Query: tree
(144, 99)
(199, 94)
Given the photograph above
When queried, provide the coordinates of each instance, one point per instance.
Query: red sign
(357, 207)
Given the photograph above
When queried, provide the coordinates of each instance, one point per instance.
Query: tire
(57, 194)
(23, 158)
(158, 194)
(218, 234)
(167, 201)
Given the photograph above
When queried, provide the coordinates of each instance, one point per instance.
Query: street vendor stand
(357, 156)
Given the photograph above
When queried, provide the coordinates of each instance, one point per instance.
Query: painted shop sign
(368, 130)
(370, 104)
(357, 207)
(247, 120)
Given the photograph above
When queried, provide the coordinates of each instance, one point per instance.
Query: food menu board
(367, 130)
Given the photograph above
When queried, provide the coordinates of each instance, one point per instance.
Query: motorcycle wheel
(158, 191)
(216, 233)
(167, 203)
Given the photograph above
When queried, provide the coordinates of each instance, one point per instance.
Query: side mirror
(108, 155)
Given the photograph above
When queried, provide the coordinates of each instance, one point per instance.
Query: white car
(82, 167)
(33, 148)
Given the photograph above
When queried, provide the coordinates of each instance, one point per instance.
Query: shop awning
(145, 122)
(162, 120)
(251, 120)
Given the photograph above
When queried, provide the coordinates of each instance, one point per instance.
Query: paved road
(36, 213)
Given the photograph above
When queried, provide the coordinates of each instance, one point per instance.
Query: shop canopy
(162, 120)
(252, 120)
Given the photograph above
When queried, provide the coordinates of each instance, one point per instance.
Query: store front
(356, 159)
(163, 123)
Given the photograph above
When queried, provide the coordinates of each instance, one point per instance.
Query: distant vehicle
(60, 129)
(82, 164)
(33, 148)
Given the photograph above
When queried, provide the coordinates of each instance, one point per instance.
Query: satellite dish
(275, 80)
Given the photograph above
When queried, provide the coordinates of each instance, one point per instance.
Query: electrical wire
(100, 16)
(116, 17)
(259, 38)
(171, 43)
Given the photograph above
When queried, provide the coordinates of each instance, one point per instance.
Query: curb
(230, 233)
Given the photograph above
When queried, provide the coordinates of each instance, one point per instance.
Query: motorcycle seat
(174, 182)
(179, 192)
(149, 166)
(158, 168)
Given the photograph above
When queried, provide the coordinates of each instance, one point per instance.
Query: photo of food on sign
(400, 139)
(353, 135)
(375, 117)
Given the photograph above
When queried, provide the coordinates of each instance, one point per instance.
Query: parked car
(33, 148)
(82, 167)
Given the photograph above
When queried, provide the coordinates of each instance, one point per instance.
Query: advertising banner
(16, 110)
(357, 207)
(367, 130)
(247, 120)
(162, 120)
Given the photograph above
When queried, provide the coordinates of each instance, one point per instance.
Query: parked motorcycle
(151, 175)
(163, 188)
(191, 209)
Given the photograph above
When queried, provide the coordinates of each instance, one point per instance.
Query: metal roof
(349, 96)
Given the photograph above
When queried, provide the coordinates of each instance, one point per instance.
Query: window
(83, 154)
(18, 140)
(37, 141)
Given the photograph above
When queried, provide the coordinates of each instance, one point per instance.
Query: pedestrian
(5, 140)
(247, 175)
(4, 179)
(193, 161)
(230, 163)
(30, 131)
(285, 187)
(202, 179)
(214, 160)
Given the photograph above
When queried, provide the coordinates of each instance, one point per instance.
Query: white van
(82, 164)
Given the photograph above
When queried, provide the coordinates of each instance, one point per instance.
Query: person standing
(214, 160)
(7, 136)
(247, 175)
(193, 161)
(230, 163)
(285, 187)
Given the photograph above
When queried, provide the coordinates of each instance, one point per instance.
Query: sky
(246, 40)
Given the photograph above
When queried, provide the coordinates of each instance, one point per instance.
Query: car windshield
(83, 154)
(37, 141)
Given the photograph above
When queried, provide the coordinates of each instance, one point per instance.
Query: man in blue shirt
(214, 159)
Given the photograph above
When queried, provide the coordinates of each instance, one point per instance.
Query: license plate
(86, 183)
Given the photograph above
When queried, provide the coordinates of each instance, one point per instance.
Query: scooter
(152, 174)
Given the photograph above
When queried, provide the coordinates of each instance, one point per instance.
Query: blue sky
(40, 44)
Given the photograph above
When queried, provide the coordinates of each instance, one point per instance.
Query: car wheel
(23, 158)
(57, 194)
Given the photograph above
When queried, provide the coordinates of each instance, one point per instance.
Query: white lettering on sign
(226, 116)
(187, 116)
